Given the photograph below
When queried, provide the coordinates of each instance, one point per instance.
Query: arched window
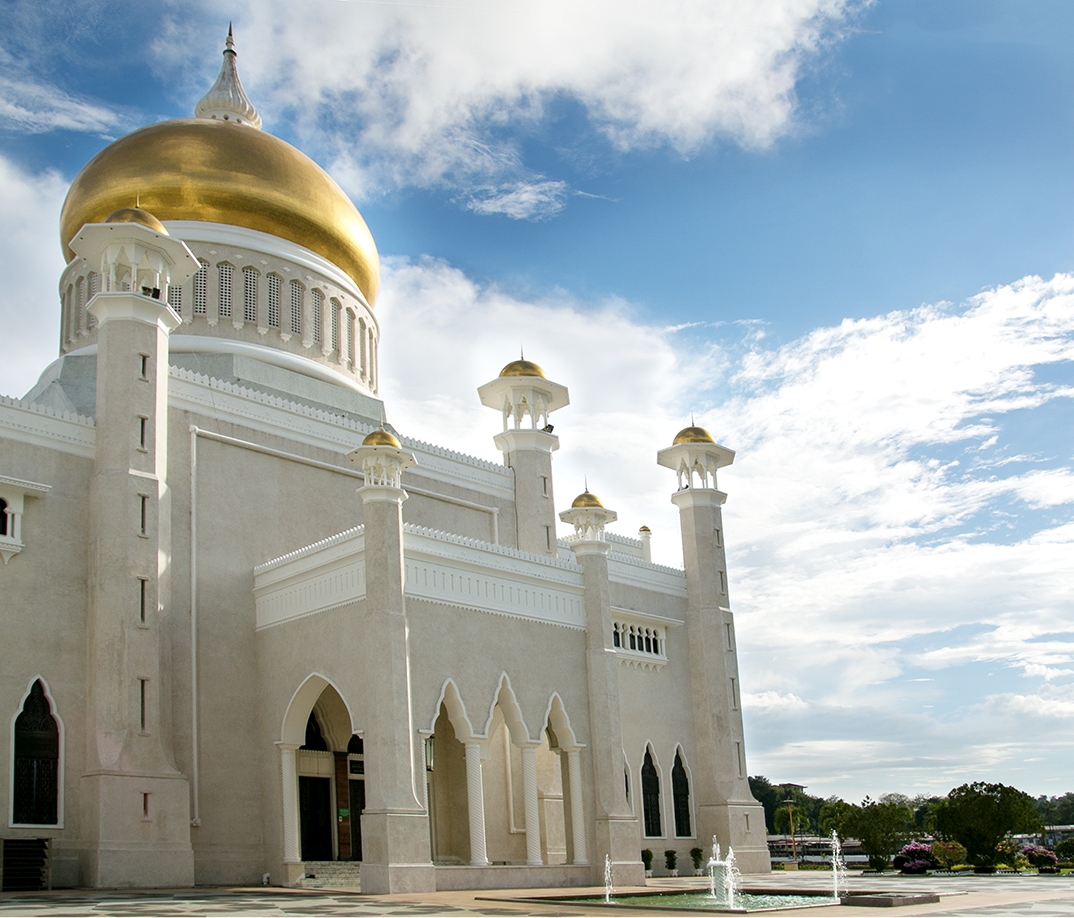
(362, 347)
(615, 635)
(35, 793)
(314, 737)
(680, 798)
(274, 300)
(249, 294)
(350, 338)
(3, 517)
(199, 287)
(650, 796)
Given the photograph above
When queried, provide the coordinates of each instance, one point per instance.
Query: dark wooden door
(357, 805)
(315, 815)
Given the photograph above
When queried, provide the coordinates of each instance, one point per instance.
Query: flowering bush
(948, 853)
(1039, 856)
(1007, 853)
(915, 866)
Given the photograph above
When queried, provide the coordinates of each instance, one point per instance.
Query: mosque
(252, 634)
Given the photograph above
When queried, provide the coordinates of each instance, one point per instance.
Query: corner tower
(726, 808)
(522, 389)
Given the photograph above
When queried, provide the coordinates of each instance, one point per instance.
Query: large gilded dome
(218, 171)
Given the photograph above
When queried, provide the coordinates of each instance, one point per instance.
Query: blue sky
(837, 233)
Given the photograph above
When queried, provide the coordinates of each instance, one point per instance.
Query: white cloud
(521, 200)
(863, 548)
(29, 303)
(436, 92)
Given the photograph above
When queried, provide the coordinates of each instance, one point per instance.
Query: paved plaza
(963, 895)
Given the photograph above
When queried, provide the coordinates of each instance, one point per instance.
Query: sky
(836, 234)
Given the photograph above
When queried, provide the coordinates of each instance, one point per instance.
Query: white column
(289, 785)
(574, 772)
(529, 795)
(475, 804)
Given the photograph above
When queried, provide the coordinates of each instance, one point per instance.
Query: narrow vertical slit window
(225, 289)
(723, 582)
(719, 539)
(143, 364)
(729, 638)
(739, 762)
(145, 806)
(200, 293)
(296, 308)
(249, 294)
(143, 517)
(142, 598)
(318, 310)
(141, 703)
(734, 694)
(143, 423)
(274, 301)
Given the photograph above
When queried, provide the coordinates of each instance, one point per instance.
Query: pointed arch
(652, 821)
(681, 796)
(306, 696)
(45, 693)
(556, 717)
(512, 714)
(452, 701)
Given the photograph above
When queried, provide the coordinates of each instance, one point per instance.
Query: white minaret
(135, 803)
(617, 833)
(395, 826)
(726, 808)
(519, 391)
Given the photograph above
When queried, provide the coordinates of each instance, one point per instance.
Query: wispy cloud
(521, 200)
(37, 108)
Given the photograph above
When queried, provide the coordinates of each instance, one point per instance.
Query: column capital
(371, 493)
(698, 497)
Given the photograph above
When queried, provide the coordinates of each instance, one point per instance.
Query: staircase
(24, 864)
(332, 875)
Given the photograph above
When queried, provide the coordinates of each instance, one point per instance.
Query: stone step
(332, 874)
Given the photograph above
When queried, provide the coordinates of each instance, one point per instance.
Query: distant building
(220, 661)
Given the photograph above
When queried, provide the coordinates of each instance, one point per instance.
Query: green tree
(882, 826)
(832, 812)
(802, 825)
(980, 815)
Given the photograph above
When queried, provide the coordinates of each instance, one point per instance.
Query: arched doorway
(36, 784)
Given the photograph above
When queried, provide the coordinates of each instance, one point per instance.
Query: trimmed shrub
(945, 854)
(1039, 856)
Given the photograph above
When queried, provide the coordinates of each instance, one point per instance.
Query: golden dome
(692, 435)
(220, 172)
(645, 529)
(136, 215)
(522, 368)
(587, 499)
(381, 437)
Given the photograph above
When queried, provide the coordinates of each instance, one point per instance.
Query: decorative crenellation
(631, 571)
(12, 402)
(452, 538)
(344, 536)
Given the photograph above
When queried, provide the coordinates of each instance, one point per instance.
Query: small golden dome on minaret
(381, 437)
(522, 367)
(136, 215)
(692, 435)
(587, 499)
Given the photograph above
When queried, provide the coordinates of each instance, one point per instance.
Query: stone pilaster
(529, 454)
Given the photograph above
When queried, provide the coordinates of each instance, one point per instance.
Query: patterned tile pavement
(1034, 896)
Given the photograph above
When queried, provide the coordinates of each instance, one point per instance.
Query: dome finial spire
(227, 100)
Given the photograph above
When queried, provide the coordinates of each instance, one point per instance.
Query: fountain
(724, 876)
(839, 868)
(609, 890)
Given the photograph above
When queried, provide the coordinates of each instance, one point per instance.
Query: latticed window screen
(37, 754)
(336, 310)
(249, 294)
(199, 288)
(680, 798)
(296, 308)
(94, 289)
(274, 301)
(350, 337)
(318, 325)
(175, 297)
(361, 338)
(225, 289)
(650, 796)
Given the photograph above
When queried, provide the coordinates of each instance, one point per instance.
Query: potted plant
(671, 861)
(697, 856)
(647, 860)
